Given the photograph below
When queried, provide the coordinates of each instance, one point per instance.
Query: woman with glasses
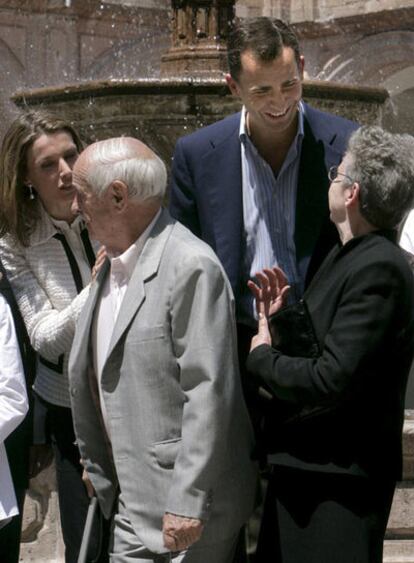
(336, 366)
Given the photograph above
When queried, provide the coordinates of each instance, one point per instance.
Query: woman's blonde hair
(18, 213)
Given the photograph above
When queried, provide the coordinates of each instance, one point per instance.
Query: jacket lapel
(222, 180)
(314, 232)
(145, 269)
(80, 349)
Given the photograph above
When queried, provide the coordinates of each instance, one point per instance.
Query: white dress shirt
(109, 303)
(13, 404)
(269, 208)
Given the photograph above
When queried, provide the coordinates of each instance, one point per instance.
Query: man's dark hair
(265, 37)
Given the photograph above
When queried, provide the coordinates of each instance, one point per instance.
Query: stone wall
(44, 42)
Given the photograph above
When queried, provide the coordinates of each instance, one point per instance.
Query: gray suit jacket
(180, 434)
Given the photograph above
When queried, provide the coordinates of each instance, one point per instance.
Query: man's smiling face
(270, 90)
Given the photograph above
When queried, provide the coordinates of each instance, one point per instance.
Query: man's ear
(118, 192)
(301, 66)
(233, 86)
(352, 196)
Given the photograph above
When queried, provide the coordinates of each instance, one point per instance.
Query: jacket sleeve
(50, 331)
(205, 347)
(13, 397)
(363, 324)
(182, 199)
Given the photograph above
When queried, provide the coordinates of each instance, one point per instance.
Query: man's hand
(179, 532)
(100, 259)
(88, 483)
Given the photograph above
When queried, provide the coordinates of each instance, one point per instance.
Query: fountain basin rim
(183, 85)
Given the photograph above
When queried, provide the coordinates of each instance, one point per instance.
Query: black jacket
(361, 302)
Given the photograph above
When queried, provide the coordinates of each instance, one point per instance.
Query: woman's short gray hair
(117, 159)
(383, 165)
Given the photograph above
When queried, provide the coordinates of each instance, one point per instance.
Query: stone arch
(13, 78)
(12, 68)
(384, 60)
(400, 116)
(371, 59)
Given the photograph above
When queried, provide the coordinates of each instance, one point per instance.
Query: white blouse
(407, 234)
(13, 403)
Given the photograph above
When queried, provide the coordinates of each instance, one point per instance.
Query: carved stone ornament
(199, 33)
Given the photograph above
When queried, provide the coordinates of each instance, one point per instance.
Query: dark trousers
(323, 518)
(73, 499)
(10, 534)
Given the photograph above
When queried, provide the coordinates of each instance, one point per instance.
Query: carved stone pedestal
(200, 29)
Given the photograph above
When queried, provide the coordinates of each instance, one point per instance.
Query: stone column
(199, 32)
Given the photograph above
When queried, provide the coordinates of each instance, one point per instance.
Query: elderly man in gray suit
(157, 403)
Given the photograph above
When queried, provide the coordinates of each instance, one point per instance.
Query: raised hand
(270, 296)
(271, 293)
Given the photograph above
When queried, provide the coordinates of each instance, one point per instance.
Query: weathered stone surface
(401, 521)
(408, 446)
(161, 110)
(399, 551)
(41, 535)
(198, 39)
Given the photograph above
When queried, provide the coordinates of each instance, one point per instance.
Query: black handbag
(293, 334)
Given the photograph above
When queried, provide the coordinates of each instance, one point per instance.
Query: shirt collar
(63, 226)
(46, 227)
(124, 264)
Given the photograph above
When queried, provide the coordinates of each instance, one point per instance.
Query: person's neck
(273, 147)
(130, 231)
(66, 218)
(354, 228)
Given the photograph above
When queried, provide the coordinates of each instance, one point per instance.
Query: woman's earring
(31, 191)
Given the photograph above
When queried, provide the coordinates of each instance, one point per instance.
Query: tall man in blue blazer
(254, 186)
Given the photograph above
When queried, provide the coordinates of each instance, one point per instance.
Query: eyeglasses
(333, 175)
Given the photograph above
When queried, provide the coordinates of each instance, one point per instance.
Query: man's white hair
(117, 159)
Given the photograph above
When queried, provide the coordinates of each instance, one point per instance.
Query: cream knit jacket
(46, 294)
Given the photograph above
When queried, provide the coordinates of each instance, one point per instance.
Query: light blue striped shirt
(269, 204)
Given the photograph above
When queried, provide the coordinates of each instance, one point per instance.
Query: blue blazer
(206, 188)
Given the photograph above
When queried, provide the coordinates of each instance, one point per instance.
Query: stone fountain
(191, 92)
